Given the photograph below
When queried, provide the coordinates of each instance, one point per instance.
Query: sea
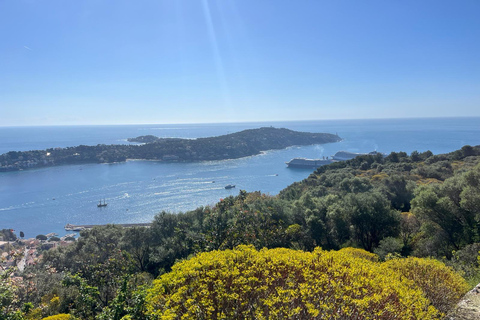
(41, 201)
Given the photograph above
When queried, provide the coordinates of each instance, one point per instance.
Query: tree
(338, 224)
(8, 234)
(399, 191)
(415, 156)
(22, 235)
(451, 207)
(409, 225)
(129, 303)
(95, 246)
(470, 194)
(41, 237)
(430, 208)
(86, 305)
(168, 241)
(8, 298)
(371, 218)
(389, 246)
(138, 243)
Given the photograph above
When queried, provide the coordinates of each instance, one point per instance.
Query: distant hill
(230, 146)
(144, 139)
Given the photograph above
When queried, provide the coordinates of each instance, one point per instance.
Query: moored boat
(71, 227)
(100, 204)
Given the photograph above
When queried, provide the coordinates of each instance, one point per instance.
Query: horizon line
(230, 122)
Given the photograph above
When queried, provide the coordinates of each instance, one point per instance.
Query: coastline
(231, 146)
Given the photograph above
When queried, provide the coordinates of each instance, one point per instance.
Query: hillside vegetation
(230, 146)
(398, 211)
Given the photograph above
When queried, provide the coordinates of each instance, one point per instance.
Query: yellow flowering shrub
(61, 316)
(286, 284)
(360, 253)
(379, 176)
(440, 284)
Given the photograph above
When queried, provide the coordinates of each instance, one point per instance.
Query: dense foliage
(230, 146)
(440, 285)
(7, 235)
(287, 284)
(376, 208)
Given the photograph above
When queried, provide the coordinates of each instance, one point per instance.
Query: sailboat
(100, 204)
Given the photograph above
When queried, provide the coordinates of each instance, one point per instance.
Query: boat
(308, 163)
(71, 227)
(100, 204)
(229, 186)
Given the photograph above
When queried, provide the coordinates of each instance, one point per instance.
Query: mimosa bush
(360, 253)
(61, 316)
(286, 284)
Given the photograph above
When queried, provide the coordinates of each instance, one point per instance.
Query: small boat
(71, 227)
(100, 204)
(230, 186)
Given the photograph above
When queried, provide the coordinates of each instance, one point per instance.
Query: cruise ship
(315, 163)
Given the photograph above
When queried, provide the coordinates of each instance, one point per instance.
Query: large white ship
(308, 163)
(315, 163)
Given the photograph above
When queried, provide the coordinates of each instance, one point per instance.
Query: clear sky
(184, 61)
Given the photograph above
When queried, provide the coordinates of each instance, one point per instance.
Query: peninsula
(231, 146)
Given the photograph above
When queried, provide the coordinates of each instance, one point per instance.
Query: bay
(43, 200)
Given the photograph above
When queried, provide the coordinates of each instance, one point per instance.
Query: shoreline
(236, 145)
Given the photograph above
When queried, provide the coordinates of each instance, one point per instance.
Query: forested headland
(231, 146)
(376, 237)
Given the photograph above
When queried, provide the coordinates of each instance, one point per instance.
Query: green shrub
(388, 246)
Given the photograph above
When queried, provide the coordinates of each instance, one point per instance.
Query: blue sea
(41, 201)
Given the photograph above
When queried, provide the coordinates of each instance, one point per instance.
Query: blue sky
(68, 62)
